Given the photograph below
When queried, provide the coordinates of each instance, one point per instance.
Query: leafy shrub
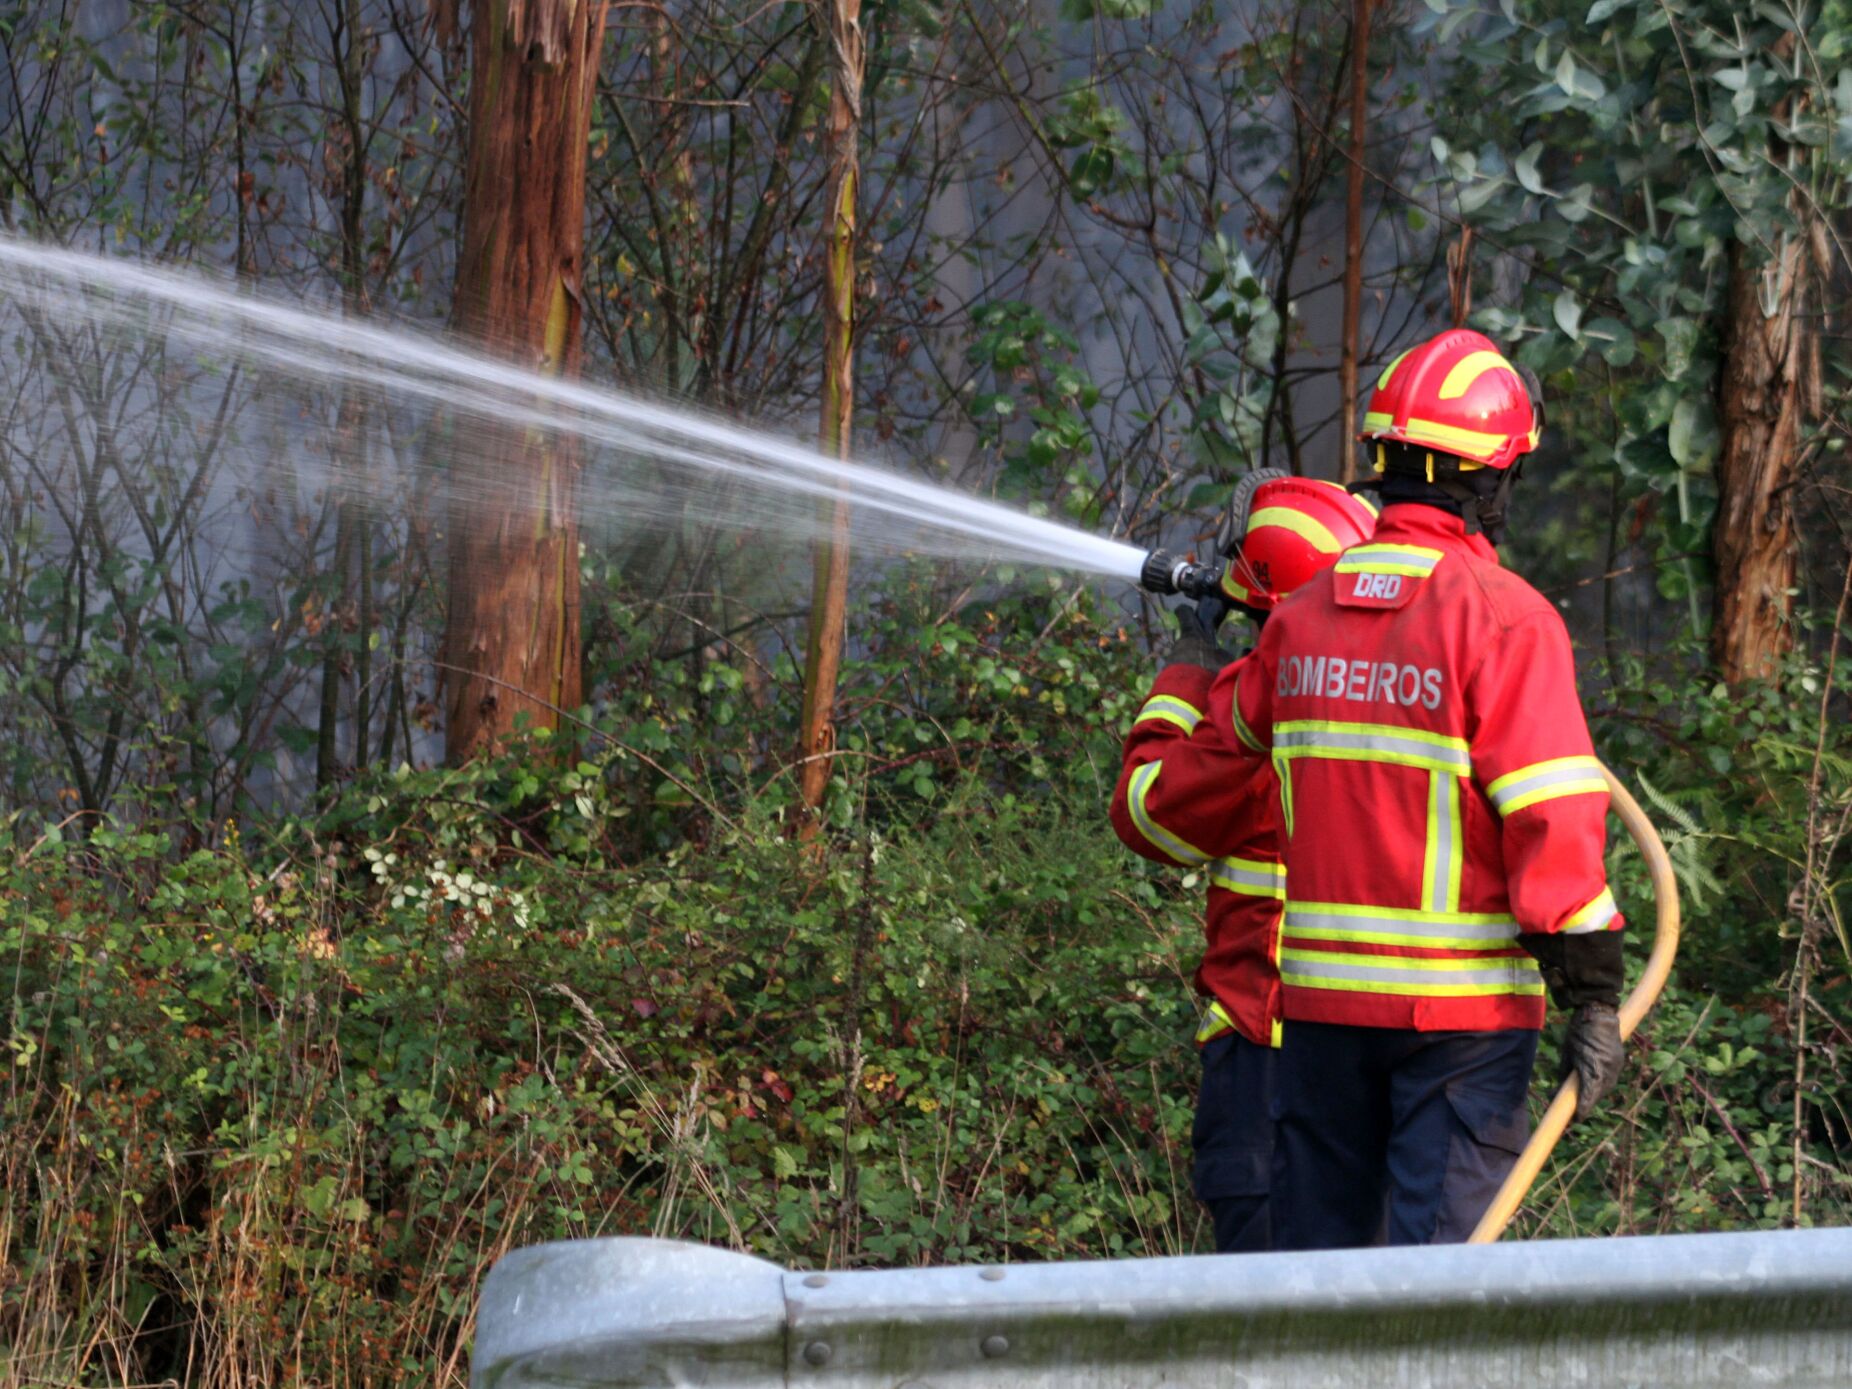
(275, 1106)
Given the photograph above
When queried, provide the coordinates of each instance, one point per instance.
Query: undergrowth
(277, 1101)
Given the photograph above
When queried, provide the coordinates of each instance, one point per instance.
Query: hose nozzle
(1163, 574)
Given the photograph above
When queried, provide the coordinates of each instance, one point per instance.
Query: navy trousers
(1233, 1141)
(1381, 1128)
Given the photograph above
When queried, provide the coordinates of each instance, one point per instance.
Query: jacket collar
(1412, 523)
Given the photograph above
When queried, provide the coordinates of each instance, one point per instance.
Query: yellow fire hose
(1652, 979)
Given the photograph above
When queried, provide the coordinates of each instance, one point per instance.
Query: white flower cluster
(440, 884)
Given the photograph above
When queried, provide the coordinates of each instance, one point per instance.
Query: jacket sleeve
(1181, 787)
(1241, 701)
(1533, 759)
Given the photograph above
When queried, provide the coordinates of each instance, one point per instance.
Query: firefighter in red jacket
(1444, 825)
(1188, 796)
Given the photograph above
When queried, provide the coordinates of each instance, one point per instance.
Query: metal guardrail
(1683, 1310)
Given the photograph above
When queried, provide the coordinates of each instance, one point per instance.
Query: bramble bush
(277, 1102)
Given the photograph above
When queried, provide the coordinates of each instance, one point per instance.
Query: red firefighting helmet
(1296, 527)
(1455, 394)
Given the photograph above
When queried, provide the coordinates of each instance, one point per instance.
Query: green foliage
(1733, 1115)
(1233, 332)
(1629, 152)
(1035, 412)
(348, 1069)
(293, 1096)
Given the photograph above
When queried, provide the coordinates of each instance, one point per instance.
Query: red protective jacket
(1439, 790)
(1187, 796)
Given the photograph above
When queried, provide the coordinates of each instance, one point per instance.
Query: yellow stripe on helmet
(1469, 369)
(1287, 518)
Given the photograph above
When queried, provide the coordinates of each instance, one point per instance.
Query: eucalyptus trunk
(511, 648)
(841, 20)
(1769, 388)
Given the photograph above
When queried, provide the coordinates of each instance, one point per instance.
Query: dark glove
(1579, 969)
(1584, 973)
(1196, 644)
(1593, 1052)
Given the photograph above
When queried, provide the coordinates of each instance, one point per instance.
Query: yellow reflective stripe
(1376, 419)
(1453, 930)
(1215, 1022)
(1415, 560)
(1545, 781)
(1251, 877)
(1283, 773)
(1299, 524)
(1468, 370)
(1233, 587)
(1384, 567)
(1303, 981)
(1170, 709)
(1442, 863)
(1242, 731)
(1451, 437)
(1279, 1031)
(1140, 786)
(1406, 913)
(1373, 742)
(1399, 974)
(1389, 370)
(1413, 735)
(1595, 916)
(1425, 552)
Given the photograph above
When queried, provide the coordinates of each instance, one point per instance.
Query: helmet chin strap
(1484, 514)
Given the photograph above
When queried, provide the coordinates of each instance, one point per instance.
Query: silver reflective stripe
(1261, 882)
(1171, 710)
(1363, 558)
(1308, 920)
(1588, 771)
(1135, 793)
(1321, 740)
(1514, 972)
(1596, 915)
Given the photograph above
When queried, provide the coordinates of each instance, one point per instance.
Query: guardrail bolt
(995, 1347)
(817, 1353)
(992, 1275)
(816, 1280)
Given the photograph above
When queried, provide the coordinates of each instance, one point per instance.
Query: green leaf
(1091, 169)
(1478, 193)
(1575, 205)
(1603, 10)
(1681, 340)
(1565, 73)
(1567, 310)
(1525, 167)
(1613, 339)
(1692, 436)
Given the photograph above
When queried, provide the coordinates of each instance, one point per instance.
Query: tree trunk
(830, 586)
(1353, 238)
(1767, 390)
(512, 641)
